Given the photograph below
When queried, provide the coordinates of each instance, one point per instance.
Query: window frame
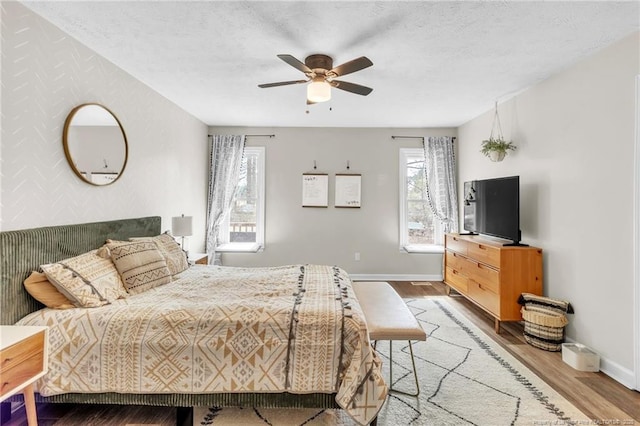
(403, 231)
(223, 234)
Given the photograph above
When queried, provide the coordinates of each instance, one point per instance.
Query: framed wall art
(315, 190)
(348, 190)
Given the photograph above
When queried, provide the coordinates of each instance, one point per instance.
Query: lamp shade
(318, 91)
(181, 226)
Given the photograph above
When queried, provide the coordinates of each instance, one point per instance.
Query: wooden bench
(388, 318)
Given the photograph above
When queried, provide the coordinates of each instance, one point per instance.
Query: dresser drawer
(484, 297)
(455, 279)
(484, 275)
(16, 376)
(484, 253)
(458, 262)
(20, 351)
(456, 244)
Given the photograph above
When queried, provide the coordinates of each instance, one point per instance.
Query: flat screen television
(492, 207)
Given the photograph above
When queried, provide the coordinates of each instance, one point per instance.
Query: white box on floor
(580, 357)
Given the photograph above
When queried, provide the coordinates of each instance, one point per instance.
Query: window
(243, 228)
(419, 232)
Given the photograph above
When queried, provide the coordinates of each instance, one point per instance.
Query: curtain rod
(414, 137)
(254, 136)
(407, 137)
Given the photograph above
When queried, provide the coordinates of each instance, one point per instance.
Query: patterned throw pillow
(140, 263)
(39, 287)
(89, 280)
(173, 254)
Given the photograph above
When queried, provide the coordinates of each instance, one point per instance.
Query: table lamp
(181, 226)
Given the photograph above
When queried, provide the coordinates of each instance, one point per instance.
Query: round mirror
(95, 144)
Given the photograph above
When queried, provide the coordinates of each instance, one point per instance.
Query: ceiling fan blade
(295, 63)
(352, 66)
(281, 83)
(351, 87)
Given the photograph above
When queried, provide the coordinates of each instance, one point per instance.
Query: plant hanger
(496, 147)
(496, 124)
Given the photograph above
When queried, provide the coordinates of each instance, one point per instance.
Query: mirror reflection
(95, 144)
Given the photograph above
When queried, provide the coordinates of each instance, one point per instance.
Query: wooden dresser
(492, 275)
(23, 359)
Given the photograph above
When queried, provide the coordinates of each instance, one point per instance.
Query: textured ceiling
(436, 64)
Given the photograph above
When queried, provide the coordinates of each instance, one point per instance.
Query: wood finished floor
(601, 398)
(597, 395)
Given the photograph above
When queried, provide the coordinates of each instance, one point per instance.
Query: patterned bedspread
(294, 328)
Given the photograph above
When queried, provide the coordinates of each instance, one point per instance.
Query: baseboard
(395, 277)
(620, 374)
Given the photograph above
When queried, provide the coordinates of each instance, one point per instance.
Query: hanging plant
(496, 147)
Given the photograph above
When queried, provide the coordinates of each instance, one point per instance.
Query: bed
(287, 336)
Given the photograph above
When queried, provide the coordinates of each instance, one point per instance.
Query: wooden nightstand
(23, 360)
(198, 258)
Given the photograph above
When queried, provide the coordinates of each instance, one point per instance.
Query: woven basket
(544, 330)
(555, 320)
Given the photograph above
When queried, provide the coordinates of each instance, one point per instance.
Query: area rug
(465, 379)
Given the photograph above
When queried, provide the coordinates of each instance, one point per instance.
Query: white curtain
(440, 164)
(224, 172)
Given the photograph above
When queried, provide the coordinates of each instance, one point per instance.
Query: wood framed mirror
(95, 144)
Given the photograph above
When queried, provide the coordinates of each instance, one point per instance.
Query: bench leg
(413, 364)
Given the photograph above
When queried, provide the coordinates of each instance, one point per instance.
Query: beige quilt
(294, 328)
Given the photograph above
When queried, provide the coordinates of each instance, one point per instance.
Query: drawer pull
(6, 360)
(4, 384)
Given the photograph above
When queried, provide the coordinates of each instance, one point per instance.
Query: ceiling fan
(321, 76)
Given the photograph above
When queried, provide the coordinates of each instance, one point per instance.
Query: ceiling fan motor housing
(319, 61)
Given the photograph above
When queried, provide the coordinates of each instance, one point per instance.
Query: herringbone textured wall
(45, 73)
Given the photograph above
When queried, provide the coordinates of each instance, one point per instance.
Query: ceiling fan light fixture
(321, 76)
(318, 91)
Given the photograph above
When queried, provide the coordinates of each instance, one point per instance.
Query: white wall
(45, 73)
(575, 138)
(295, 234)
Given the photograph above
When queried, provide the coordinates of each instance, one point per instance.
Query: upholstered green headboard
(25, 250)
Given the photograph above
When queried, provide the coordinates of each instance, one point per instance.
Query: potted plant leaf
(496, 147)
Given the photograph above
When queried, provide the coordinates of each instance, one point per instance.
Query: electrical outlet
(357, 256)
